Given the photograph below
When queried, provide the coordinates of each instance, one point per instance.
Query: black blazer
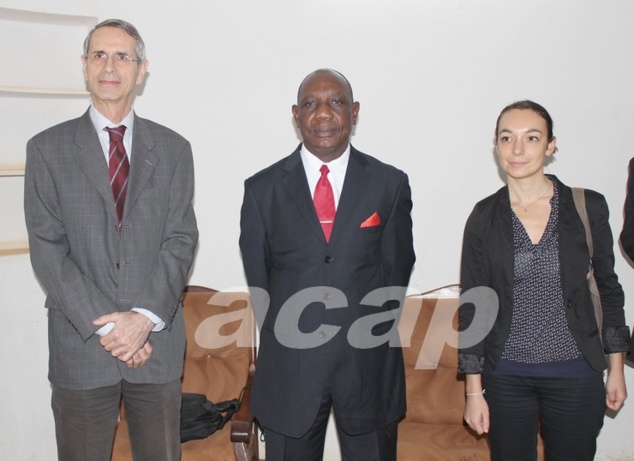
(627, 234)
(488, 261)
(284, 252)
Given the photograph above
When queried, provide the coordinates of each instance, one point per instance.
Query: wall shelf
(11, 170)
(22, 83)
(42, 28)
(43, 91)
(37, 17)
(14, 248)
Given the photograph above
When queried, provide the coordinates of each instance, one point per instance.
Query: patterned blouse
(540, 342)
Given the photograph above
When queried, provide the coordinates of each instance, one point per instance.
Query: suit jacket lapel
(500, 243)
(354, 186)
(143, 163)
(92, 161)
(297, 185)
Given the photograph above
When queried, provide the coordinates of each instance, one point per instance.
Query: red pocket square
(372, 221)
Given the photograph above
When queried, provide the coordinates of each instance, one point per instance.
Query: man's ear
(83, 67)
(355, 112)
(295, 110)
(142, 71)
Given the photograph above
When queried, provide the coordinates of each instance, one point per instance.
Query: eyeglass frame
(117, 58)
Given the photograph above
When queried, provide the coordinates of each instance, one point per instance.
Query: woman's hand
(476, 411)
(476, 414)
(615, 390)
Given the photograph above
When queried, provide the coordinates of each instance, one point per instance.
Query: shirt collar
(100, 121)
(313, 163)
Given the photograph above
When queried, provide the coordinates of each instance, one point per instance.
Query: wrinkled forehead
(324, 81)
(111, 37)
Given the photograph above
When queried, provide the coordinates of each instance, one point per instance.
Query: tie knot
(324, 170)
(116, 134)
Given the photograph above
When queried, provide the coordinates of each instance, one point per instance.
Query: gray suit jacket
(87, 268)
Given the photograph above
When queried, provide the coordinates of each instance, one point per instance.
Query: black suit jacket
(488, 261)
(286, 255)
(627, 234)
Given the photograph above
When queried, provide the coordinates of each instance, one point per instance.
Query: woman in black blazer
(530, 345)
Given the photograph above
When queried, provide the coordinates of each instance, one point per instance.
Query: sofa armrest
(242, 420)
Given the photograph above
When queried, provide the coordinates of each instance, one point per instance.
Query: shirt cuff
(104, 330)
(159, 324)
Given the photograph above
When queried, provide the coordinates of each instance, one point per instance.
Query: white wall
(431, 77)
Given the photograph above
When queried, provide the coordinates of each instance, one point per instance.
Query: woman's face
(522, 143)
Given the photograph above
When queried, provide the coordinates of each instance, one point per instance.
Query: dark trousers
(379, 445)
(570, 411)
(85, 421)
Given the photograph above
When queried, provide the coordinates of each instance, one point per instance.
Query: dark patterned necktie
(119, 166)
(324, 201)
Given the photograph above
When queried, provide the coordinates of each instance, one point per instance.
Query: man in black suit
(627, 233)
(327, 327)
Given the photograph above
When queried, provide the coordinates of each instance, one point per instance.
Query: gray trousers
(85, 421)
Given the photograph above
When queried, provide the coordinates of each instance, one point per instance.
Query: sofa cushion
(218, 354)
(433, 427)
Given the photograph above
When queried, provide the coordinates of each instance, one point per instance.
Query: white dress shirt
(336, 175)
(100, 122)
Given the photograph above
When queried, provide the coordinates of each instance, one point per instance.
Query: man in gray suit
(112, 234)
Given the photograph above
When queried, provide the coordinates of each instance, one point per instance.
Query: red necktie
(325, 202)
(119, 166)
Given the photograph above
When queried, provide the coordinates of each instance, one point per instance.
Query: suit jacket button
(117, 266)
(328, 259)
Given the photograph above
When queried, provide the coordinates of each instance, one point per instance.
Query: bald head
(332, 72)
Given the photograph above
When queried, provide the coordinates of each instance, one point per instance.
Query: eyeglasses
(119, 59)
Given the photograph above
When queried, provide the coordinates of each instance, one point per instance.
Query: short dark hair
(532, 106)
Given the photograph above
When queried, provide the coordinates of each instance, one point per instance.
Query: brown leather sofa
(219, 362)
(433, 428)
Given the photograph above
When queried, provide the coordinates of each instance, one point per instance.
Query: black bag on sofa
(200, 418)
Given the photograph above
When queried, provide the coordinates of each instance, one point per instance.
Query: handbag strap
(579, 197)
(228, 407)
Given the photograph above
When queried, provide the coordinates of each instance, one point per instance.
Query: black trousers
(571, 413)
(85, 421)
(379, 445)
